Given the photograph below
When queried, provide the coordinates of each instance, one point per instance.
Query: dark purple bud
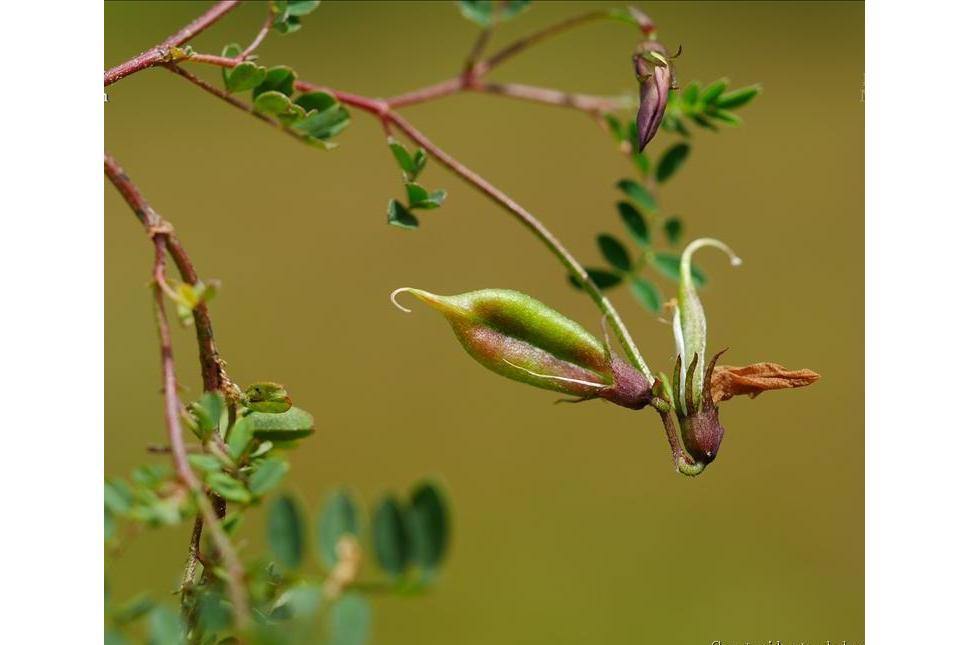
(654, 73)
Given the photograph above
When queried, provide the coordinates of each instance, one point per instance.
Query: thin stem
(531, 40)
(210, 510)
(479, 45)
(583, 102)
(213, 374)
(228, 98)
(259, 37)
(444, 88)
(162, 52)
(236, 573)
(382, 109)
(534, 225)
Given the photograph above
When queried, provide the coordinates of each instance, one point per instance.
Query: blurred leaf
(110, 525)
(299, 602)
(691, 94)
(114, 637)
(231, 489)
(737, 98)
(671, 160)
(401, 155)
(280, 78)
(284, 531)
(268, 475)
(641, 160)
(294, 423)
(151, 475)
(338, 518)
(302, 7)
(208, 412)
(429, 526)
(232, 522)
(133, 609)
(390, 543)
(165, 627)
(318, 101)
(117, 496)
(244, 76)
(704, 122)
(668, 265)
(229, 51)
(349, 620)
(634, 223)
(273, 102)
(240, 438)
(673, 230)
(205, 463)
(727, 117)
(712, 92)
(214, 611)
(602, 278)
(418, 197)
(638, 194)
(646, 293)
(326, 124)
(614, 251)
(486, 13)
(263, 448)
(632, 134)
(615, 127)
(419, 161)
(398, 215)
(286, 24)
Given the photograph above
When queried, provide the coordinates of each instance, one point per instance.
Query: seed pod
(689, 328)
(516, 336)
(654, 73)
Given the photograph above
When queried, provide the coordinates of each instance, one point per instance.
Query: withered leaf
(728, 381)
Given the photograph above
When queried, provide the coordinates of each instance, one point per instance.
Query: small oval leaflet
(294, 423)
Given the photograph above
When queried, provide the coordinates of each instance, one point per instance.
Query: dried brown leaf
(752, 380)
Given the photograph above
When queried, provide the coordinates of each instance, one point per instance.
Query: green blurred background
(571, 525)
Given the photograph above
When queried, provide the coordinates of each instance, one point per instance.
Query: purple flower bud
(654, 73)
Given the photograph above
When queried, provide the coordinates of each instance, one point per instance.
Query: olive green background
(571, 525)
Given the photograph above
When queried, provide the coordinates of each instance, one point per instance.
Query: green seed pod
(689, 328)
(516, 336)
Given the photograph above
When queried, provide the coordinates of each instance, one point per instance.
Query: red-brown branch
(233, 566)
(213, 377)
(583, 102)
(210, 509)
(259, 37)
(161, 52)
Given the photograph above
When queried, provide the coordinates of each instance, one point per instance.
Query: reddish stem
(583, 102)
(212, 373)
(259, 37)
(236, 573)
(161, 52)
(519, 46)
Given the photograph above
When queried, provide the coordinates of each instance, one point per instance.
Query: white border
(52, 381)
(917, 431)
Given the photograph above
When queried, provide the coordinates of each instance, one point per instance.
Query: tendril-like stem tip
(393, 299)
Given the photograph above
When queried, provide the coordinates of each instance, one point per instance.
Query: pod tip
(393, 298)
